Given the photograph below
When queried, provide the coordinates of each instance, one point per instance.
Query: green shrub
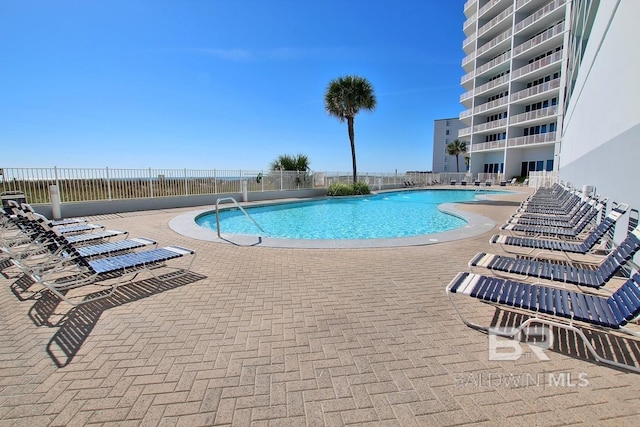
(361, 188)
(342, 189)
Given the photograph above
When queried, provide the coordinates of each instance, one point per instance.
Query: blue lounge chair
(564, 221)
(538, 246)
(554, 306)
(542, 230)
(594, 277)
(120, 268)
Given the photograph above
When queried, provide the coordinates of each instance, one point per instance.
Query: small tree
(456, 148)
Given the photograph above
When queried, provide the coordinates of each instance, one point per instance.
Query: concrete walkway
(276, 336)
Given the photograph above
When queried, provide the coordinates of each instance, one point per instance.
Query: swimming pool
(382, 216)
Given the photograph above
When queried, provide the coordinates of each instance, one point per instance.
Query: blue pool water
(388, 215)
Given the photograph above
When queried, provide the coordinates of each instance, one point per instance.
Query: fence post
(150, 184)
(261, 181)
(186, 184)
(108, 184)
(215, 182)
(55, 174)
(281, 180)
(54, 194)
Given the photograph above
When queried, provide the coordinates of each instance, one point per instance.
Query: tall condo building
(445, 131)
(514, 84)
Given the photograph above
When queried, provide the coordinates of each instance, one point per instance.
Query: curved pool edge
(185, 225)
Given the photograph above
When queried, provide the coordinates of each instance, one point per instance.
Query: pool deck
(292, 336)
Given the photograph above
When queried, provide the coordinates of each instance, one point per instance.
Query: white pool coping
(185, 225)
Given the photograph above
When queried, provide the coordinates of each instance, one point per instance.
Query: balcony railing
(495, 61)
(489, 25)
(532, 115)
(464, 131)
(490, 125)
(544, 87)
(491, 104)
(468, 40)
(488, 6)
(468, 58)
(493, 145)
(535, 41)
(468, 4)
(491, 84)
(537, 15)
(520, 3)
(531, 139)
(470, 21)
(468, 94)
(494, 42)
(540, 63)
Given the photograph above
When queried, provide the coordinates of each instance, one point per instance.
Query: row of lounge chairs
(586, 280)
(73, 253)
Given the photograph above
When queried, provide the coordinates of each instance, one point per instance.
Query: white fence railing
(84, 184)
(543, 179)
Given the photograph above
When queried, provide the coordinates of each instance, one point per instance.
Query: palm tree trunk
(457, 164)
(353, 147)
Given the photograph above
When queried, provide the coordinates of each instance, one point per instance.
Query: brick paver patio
(270, 336)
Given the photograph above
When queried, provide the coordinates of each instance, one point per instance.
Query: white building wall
(443, 162)
(601, 132)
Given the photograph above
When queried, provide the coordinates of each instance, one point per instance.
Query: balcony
(464, 132)
(495, 21)
(466, 42)
(540, 63)
(469, 4)
(466, 95)
(493, 145)
(539, 14)
(490, 85)
(535, 90)
(533, 115)
(494, 42)
(484, 9)
(490, 125)
(490, 105)
(540, 38)
(532, 139)
(469, 58)
(469, 21)
(494, 62)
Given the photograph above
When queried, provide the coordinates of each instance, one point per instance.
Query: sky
(223, 84)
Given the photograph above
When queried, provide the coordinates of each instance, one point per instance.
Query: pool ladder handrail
(235, 202)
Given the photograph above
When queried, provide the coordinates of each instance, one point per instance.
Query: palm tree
(285, 162)
(456, 148)
(344, 98)
(298, 163)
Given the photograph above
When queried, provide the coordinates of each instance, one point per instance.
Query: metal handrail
(235, 202)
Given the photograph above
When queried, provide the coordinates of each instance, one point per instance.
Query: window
(448, 123)
(539, 165)
(550, 165)
(446, 140)
(447, 132)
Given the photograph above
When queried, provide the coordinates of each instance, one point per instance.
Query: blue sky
(224, 84)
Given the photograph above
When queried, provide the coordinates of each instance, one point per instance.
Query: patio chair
(27, 208)
(111, 272)
(552, 306)
(594, 276)
(538, 246)
(542, 230)
(555, 221)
